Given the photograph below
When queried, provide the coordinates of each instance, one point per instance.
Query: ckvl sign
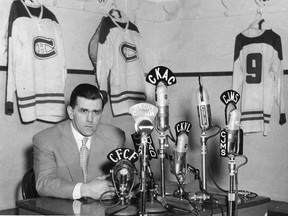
(182, 127)
(230, 98)
(144, 115)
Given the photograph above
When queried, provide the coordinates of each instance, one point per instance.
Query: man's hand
(95, 188)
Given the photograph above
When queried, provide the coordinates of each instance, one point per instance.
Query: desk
(54, 206)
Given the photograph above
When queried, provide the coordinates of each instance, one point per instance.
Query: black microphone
(180, 151)
(203, 108)
(232, 130)
(163, 106)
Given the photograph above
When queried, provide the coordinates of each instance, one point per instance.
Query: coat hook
(260, 4)
(82, 5)
(227, 13)
(54, 2)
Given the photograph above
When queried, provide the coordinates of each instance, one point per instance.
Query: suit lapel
(98, 152)
(93, 158)
(70, 153)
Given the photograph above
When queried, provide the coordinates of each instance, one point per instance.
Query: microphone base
(130, 210)
(154, 207)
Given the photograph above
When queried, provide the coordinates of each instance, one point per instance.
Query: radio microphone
(123, 179)
(162, 103)
(144, 115)
(232, 130)
(180, 151)
(203, 108)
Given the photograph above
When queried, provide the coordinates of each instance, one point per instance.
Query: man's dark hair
(87, 91)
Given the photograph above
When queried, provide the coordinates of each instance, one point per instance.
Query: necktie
(84, 154)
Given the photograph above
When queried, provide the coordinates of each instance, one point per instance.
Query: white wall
(195, 37)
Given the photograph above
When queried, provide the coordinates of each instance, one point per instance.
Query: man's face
(86, 115)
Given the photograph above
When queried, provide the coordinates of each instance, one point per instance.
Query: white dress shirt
(78, 137)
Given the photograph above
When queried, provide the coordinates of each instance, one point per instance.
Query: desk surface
(55, 206)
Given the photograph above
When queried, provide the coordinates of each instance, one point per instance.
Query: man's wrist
(77, 191)
(83, 190)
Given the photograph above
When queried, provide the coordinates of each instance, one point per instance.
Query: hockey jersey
(36, 64)
(258, 77)
(120, 64)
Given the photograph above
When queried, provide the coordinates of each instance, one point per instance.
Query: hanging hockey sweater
(120, 67)
(36, 64)
(258, 77)
(93, 47)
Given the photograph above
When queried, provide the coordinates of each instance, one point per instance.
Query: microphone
(232, 130)
(203, 108)
(180, 151)
(162, 103)
(122, 177)
(143, 114)
(123, 180)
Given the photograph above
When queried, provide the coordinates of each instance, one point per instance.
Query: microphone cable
(171, 137)
(215, 207)
(247, 195)
(214, 126)
(108, 206)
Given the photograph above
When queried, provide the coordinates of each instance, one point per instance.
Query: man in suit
(57, 149)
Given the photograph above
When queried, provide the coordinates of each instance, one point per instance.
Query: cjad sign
(136, 138)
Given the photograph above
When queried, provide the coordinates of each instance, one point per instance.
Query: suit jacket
(57, 161)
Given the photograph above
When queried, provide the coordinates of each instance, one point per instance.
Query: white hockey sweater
(120, 64)
(258, 77)
(36, 64)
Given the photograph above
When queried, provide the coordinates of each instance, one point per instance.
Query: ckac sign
(161, 73)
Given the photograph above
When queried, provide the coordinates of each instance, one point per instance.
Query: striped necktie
(84, 154)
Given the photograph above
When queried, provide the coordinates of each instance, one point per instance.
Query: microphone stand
(202, 195)
(143, 172)
(143, 114)
(151, 183)
(232, 194)
(233, 184)
(203, 158)
(162, 147)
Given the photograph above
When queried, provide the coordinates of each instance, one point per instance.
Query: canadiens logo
(129, 51)
(44, 48)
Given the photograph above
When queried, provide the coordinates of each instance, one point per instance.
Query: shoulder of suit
(110, 131)
(53, 130)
